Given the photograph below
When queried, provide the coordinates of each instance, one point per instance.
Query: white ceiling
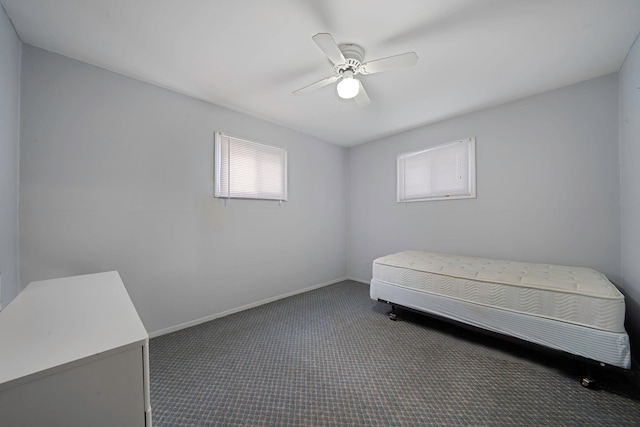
(249, 55)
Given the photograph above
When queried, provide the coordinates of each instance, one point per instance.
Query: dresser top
(53, 324)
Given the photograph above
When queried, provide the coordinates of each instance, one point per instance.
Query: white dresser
(73, 352)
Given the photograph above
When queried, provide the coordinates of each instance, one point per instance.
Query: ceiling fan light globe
(348, 88)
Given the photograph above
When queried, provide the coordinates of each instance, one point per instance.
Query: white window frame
(464, 164)
(223, 187)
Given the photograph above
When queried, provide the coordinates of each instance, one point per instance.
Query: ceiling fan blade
(362, 99)
(408, 59)
(328, 45)
(316, 85)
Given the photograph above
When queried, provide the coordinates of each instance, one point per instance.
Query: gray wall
(10, 51)
(116, 174)
(630, 187)
(547, 185)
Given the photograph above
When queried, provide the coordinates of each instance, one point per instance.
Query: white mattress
(574, 295)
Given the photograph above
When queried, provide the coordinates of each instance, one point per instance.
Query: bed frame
(594, 347)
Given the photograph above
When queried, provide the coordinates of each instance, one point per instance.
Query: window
(445, 171)
(249, 170)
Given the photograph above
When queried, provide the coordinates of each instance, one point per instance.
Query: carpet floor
(332, 357)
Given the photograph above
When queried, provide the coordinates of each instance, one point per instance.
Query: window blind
(445, 171)
(249, 170)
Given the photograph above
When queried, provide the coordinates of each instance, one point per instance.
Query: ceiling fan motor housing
(353, 54)
(352, 51)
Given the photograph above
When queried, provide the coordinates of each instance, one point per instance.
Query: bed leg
(588, 381)
(392, 315)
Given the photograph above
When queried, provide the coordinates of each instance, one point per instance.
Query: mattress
(570, 294)
(576, 310)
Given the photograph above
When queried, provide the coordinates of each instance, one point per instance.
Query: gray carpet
(331, 357)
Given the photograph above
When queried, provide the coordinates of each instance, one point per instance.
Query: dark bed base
(587, 381)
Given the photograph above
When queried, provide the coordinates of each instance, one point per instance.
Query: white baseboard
(241, 308)
(355, 279)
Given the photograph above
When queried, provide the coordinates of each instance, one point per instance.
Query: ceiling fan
(347, 63)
